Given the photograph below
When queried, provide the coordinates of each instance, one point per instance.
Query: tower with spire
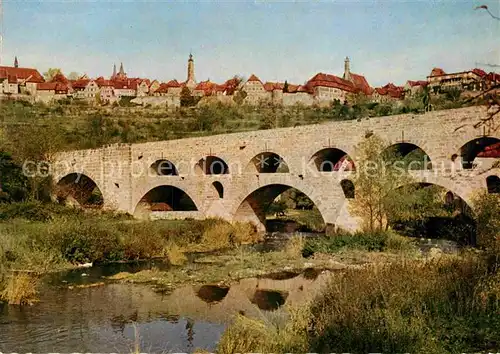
(16, 63)
(114, 72)
(190, 82)
(347, 69)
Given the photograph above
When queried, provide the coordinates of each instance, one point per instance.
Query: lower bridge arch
(79, 189)
(254, 206)
(165, 202)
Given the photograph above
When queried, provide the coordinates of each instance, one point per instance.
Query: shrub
(21, 289)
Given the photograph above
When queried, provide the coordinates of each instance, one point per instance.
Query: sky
(387, 41)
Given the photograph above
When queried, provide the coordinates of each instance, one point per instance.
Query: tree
(73, 75)
(426, 99)
(187, 99)
(50, 73)
(378, 175)
(239, 97)
(285, 87)
(453, 94)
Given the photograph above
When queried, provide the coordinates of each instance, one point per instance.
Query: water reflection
(212, 293)
(107, 318)
(269, 300)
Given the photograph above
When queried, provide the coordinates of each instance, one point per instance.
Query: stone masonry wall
(123, 175)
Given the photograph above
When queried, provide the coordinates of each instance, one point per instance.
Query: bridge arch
(413, 156)
(493, 184)
(219, 189)
(332, 159)
(458, 223)
(78, 188)
(253, 206)
(163, 167)
(267, 162)
(165, 198)
(211, 165)
(485, 147)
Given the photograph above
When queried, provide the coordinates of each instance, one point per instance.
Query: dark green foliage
(13, 184)
(407, 307)
(367, 241)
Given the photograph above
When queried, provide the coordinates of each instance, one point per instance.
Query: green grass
(45, 237)
(440, 306)
(363, 241)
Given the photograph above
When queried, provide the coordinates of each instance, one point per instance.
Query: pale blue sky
(386, 40)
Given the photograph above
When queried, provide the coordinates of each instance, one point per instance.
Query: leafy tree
(487, 212)
(285, 87)
(378, 175)
(74, 75)
(187, 99)
(13, 184)
(239, 97)
(50, 73)
(453, 94)
(426, 99)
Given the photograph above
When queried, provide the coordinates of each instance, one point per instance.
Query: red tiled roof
(493, 77)
(391, 90)
(58, 87)
(271, 86)
(417, 83)
(479, 72)
(163, 88)
(437, 72)
(254, 78)
(327, 80)
(79, 84)
(124, 84)
(59, 77)
(361, 84)
(27, 74)
(491, 151)
(173, 83)
(231, 85)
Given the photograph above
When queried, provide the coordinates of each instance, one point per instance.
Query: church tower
(347, 69)
(16, 63)
(190, 82)
(114, 72)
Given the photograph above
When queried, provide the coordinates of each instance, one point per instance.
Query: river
(115, 317)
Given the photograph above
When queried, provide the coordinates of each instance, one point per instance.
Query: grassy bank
(437, 306)
(37, 238)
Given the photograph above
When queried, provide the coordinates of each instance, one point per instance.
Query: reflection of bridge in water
(236, 176)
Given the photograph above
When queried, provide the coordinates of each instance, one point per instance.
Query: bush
(21, 289)
(441, 306)
(366, 241)
(35, 211)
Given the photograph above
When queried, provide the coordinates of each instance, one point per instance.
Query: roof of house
(328, 80)
(361, 84)
(79, 84)
(479, 72)
(55, 86)
(59, 77)
(491, 151)
(254, 78)
(173, 83)
(271, 86)
(437, 72)
(27, 74)
(163, 88)
(390, 90)
(417, 83)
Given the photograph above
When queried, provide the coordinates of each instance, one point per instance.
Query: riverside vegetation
(400, 300)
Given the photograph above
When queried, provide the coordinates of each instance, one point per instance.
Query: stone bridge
(236, 176)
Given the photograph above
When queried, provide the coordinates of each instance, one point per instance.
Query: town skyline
(451, 36)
